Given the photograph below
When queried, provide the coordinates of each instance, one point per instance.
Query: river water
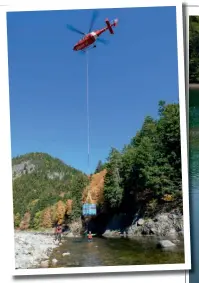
(112, 252)
(194, 181)
(115, 251)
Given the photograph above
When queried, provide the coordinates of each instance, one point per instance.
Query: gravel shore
(31, 248)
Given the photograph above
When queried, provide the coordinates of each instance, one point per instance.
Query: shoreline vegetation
(137, 191)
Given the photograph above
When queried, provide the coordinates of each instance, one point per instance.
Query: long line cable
(88, 117)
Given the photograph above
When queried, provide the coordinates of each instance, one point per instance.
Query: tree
(17, 220)
(169, 142)
(99, 167)
(113, 192)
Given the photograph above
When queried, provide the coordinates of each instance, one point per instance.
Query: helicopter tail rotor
(110, 25)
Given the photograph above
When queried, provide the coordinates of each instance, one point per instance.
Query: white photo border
(71, 5)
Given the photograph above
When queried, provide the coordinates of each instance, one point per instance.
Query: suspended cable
(88, 117)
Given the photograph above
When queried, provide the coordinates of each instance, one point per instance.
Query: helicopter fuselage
(88, 39)
(91, 37)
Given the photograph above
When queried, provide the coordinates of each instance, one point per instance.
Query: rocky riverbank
(31, 248)
(162, 225)
(165, 224)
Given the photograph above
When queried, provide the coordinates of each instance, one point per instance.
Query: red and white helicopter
(90, 38)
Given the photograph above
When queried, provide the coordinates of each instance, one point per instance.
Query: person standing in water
(90, 236)
(58, 231)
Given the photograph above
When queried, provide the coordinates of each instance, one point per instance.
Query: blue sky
(127, 78)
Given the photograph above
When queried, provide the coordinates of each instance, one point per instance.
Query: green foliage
(152, 206)
(41, 188)
(112, 189)
(76, 212)
(194, 49)
(149, 167)
(100, 167)
(37, 220)
(78, 185)
(17, 220)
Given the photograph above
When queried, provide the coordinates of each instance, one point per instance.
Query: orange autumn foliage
(167, 197)
(46, 218)
(93, 193)
(25, 221)
(59, 212)
(69, 203)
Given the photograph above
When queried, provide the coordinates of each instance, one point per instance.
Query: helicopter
(89, 39)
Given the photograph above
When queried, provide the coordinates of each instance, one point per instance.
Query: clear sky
(127, 78)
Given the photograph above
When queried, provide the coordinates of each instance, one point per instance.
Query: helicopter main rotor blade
(75, 30)
(104, 41)
(94, 16)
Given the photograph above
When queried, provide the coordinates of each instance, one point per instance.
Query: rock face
(31, 249)
(165, 224)
(55, 175)
(23, 168)
(75, 228)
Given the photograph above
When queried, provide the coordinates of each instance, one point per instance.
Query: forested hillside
(43, 186)
(145, 175)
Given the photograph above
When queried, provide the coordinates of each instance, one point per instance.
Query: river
(113, 252)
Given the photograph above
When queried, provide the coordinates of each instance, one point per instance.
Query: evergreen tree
(99, 167)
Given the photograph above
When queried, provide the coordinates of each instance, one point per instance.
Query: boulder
(70, 235)
(111, 234)
(54, 261)
(64, 254)
(163, 225)
(44, 263)
(148, 227)
(140, 222)
(172, 233)
(165, 244)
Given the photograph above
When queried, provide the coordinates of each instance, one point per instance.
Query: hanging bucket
(89, 209)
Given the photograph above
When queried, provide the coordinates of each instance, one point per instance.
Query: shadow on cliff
(101, 223)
